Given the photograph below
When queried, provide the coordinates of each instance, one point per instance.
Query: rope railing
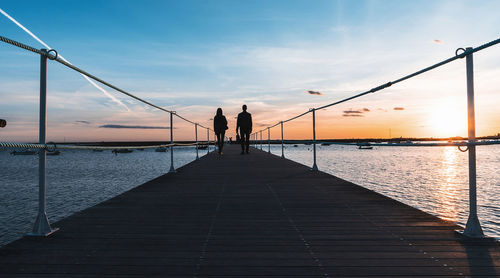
(54, 57)
(473, 226)
(54, 146)
(393, 144)
(42, 226)
(464, 53)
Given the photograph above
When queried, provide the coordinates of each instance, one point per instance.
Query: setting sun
(447, 120)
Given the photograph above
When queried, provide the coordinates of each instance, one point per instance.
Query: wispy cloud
(353, 113)
(437, 41)
(315, 93)
(134, 126)
(399, 108)
(83, 122)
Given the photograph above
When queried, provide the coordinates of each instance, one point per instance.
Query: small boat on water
(295, 146)
(56, 152)
(117, 151)
(24, 152)
(161, 149)
(365, 146)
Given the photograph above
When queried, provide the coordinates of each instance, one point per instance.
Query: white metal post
(473, 226)
(172, 169)
(42, 225)
(282, 144)
(261, 140)
(208, 141)
(315, 167)
(196, 138)
(268, 140)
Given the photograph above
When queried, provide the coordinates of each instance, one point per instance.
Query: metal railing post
(215, 136)
(473, 226)
(208, 141)
(282, 144)
(42, 225)
(196, 138)
(172, 169)
(268, 140)
(261, 140)
(314, 167)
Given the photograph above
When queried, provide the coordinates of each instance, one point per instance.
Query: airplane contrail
(62, 58)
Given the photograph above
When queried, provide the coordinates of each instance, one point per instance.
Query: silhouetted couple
(243, 124)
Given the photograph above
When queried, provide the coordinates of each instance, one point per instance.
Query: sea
(433, 179)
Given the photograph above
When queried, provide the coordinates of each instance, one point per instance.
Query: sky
(280, 58)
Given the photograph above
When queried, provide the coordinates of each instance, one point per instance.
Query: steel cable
(388, 84)
(14, 145)
(75, 68)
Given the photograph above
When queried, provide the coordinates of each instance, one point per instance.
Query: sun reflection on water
(448, 184)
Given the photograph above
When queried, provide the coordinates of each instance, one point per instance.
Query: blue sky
(195, 56)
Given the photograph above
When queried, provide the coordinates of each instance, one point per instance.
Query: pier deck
(250, 215)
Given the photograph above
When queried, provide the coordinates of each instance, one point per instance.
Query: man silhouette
(244, 124)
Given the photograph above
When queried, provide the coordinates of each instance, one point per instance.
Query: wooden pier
(251, 215)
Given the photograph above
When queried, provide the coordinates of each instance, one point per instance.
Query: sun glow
(447, 120)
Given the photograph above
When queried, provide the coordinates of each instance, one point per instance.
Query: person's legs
(242, 141)
(220, 138)
(247, 141)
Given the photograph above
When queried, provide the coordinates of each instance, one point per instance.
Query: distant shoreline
(278, 141)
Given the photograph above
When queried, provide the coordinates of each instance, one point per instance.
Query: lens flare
(62, 58)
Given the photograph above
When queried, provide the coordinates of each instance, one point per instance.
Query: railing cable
(388, 84)
(75, 68)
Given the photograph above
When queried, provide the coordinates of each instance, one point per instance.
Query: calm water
(433, 179)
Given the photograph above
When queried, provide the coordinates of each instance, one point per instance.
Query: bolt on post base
(472, 228)
(315, 167)
(42, 227)
(172, 169)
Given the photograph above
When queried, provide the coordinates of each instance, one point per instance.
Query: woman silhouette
(220, 126)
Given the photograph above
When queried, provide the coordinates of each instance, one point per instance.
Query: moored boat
(117, 151)
(23, 152)
(364, 146)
